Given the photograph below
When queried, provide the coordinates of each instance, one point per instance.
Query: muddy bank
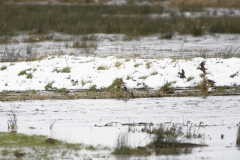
(103, 94)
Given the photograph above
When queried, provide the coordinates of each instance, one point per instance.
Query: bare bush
(12, 120)
(122, 141)
(228, 52)
(12, 54)
(31, 53)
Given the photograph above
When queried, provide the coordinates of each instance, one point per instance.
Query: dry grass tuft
(117, 64)
(203, 86)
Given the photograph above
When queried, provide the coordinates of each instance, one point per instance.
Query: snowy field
(140, 63)
(96, 60)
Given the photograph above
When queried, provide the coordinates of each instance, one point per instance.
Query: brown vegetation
(238, 136)
(203, 86)
(91, 19)
(207, 3)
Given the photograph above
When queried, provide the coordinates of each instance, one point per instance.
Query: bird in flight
(202, 67)
(182, 74)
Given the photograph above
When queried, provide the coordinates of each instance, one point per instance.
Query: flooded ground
(83, 121)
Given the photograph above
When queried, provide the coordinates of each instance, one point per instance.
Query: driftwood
(124, 124)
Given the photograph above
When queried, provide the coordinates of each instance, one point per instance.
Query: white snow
(76, 119)
(85, 69)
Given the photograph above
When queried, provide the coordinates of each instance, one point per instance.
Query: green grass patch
(66, 70)
(233, 75)
(154, 73)
(63, 70)
(102, 68)
(129, 77)
(143, 77)
(29, 76)
(202, 75)
(56, 70)
(22, 73)
(190, 78)
(18, 139)
(3, 67)
(49, 86)
(14, 145)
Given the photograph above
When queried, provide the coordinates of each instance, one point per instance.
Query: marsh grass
(93, 88)
(238, 136)
(166, 88)
(5, 39)
(12, 120)
(11, 53)
(168, 140)
(92, 19)
(228, 52)
(123, 147)
(191, 130)
(115, 86)
(91, 37)
(199, 4)
(61, 90)
(35, 38)
(203, 86)
(84, 44)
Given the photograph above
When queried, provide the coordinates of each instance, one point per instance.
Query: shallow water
(76, 120)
